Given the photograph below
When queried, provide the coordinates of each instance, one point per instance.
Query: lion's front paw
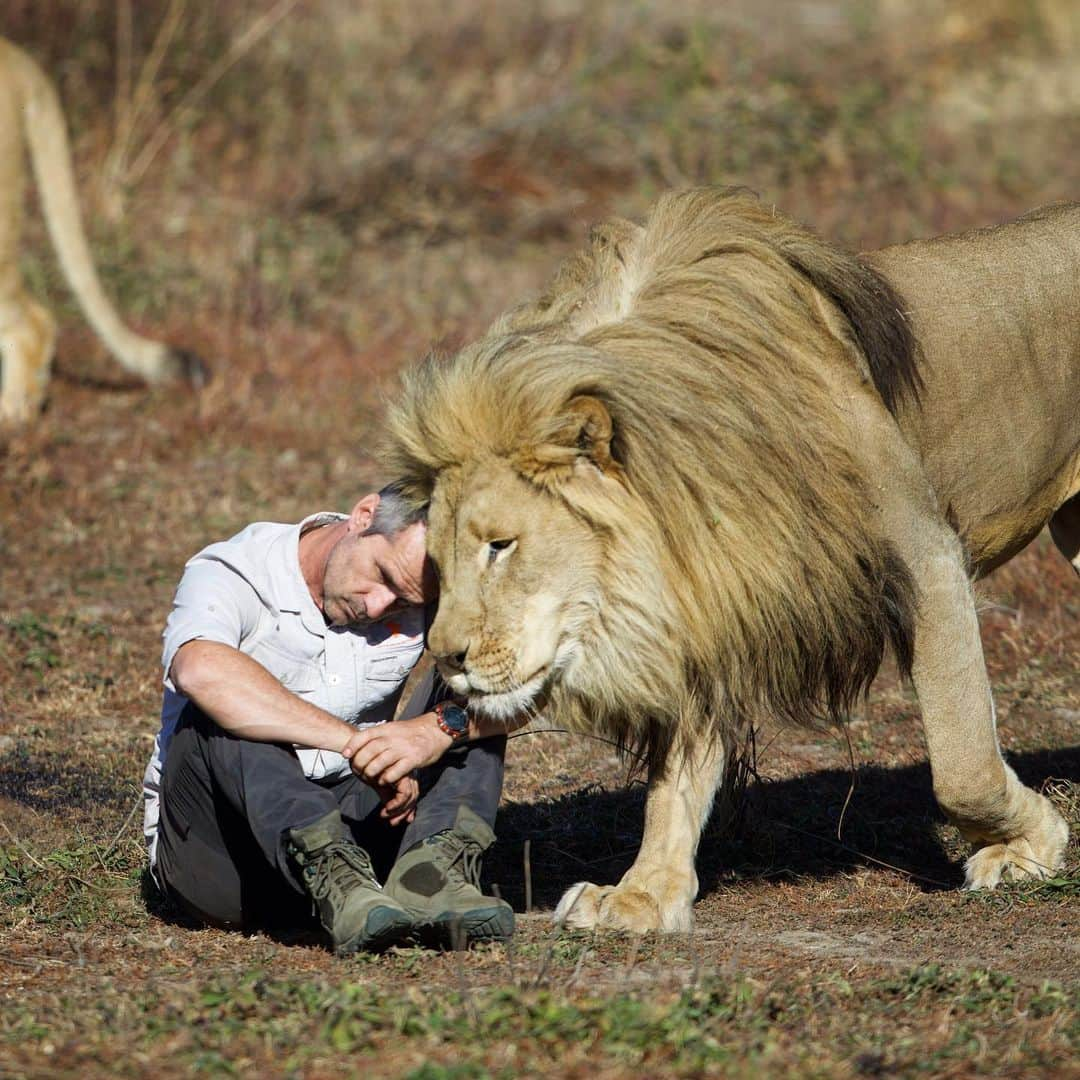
(620, 907)
(1024, 857)
(579, 908)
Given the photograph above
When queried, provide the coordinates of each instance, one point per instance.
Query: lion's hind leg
(1065, 529)
(27, 341)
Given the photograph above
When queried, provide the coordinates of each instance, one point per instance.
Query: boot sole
(384, 926)
(452, 930)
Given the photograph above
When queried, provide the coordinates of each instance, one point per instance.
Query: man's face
(368, 578)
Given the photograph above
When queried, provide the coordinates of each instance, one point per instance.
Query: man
(277, 782)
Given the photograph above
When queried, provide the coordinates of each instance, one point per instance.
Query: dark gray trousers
(227, 803)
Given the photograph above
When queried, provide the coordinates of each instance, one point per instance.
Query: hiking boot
(438, 882)
(337, 875)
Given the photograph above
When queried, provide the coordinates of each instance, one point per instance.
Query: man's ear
(361, 514)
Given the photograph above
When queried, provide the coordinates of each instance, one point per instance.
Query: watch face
(455, 718)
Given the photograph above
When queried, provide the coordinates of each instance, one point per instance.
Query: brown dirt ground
(329, 209)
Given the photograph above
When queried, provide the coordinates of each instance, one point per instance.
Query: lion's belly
(994, 539)
(1003, 488)
(1000, 493)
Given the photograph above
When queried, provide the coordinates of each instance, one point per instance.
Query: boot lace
(459, 861)
(341, 866)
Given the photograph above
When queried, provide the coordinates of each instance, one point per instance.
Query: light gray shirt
(249, 592)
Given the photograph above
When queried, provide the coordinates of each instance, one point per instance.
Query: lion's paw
(579, 908)
(619, 907)
(1019, 859)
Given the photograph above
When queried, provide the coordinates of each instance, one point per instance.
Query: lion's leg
(657, 892)
(27, 340)
(1017, 832)
(27, 331)
(1065, 529)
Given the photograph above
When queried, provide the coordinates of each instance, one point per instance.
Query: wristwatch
(452, 719)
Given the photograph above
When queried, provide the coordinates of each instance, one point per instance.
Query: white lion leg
(658, 891)
(1017, 832)
(27, 341)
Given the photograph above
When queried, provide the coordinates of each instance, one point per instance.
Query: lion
(718, 468)
(30, 109)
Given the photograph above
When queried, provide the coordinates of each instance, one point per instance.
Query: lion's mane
(704, 334)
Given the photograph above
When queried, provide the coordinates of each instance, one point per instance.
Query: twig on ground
(695, 959)
(38, 863)
(123, 828)
(528, 876)
(511, 951)
(553, 939)
(34, 965)
(459, 942)
(851, 786)
(635, 948)
(22, 847)
(572, 980)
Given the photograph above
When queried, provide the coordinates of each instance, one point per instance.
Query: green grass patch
(722, 1026)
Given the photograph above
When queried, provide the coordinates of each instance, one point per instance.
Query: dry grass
(367, 181)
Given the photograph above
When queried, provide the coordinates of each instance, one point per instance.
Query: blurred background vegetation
(389, 174)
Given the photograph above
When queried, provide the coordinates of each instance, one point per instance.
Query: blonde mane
(704, 336)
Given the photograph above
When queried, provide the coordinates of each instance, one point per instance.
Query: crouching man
(277, 783)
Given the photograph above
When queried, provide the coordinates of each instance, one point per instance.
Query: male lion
(718, 466)
(29, 107)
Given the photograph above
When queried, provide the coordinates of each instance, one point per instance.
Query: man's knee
(469, 774)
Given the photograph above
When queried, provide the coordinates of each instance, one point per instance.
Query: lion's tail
(50, 153)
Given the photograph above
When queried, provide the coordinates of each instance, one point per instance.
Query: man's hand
(388, 753)
(399, 800)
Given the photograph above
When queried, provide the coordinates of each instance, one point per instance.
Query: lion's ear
(581, 434)
(588, 429)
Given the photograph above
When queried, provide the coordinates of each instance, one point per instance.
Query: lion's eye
(496, 547)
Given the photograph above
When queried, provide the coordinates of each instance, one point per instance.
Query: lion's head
(644, 505)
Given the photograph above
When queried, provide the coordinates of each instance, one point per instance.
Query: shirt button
(333, 680)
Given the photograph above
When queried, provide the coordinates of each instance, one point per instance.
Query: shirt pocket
(391, 664)
(299, 676)
(301, 679)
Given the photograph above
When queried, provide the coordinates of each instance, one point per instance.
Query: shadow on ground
(789, 831)
(54, 782)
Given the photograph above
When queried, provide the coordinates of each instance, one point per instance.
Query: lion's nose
(449, 643)
(455, 661)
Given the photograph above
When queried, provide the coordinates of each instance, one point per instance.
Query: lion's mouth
(526, 697)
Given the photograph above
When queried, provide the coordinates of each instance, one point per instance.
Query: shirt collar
(303, 604)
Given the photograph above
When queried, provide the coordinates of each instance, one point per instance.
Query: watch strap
(452, 719)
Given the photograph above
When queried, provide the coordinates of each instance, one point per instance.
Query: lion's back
(996, 315)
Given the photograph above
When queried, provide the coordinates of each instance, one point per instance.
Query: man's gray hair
(394, 513)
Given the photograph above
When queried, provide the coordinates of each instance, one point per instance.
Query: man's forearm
(247, 701)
